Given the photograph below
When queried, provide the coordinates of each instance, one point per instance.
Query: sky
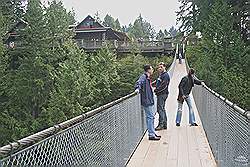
(160, 13)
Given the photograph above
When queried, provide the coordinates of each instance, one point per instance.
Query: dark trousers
(161, 101)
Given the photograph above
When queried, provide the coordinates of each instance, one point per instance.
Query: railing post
(115, 44)
(81, 43)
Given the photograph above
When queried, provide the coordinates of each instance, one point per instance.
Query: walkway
(182, 146)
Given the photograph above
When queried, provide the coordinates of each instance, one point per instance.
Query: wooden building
(11, 38)
(91, 30)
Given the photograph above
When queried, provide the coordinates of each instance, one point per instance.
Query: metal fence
(226, 127)
(104, 137)
(172, 66)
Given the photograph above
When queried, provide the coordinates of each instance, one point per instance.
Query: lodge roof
(86, 23)
(90, 25)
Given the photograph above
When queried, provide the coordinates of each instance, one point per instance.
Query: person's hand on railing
(137, 91)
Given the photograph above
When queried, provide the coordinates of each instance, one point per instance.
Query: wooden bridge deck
(182, 146)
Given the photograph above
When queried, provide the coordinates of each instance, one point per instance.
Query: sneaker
(157, 136)
(165, 127)
(194, 124)
(159, 127)
(177, 124)
(154, 138)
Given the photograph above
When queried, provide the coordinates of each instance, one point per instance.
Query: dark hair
(146, 67)
(161, 63)
(191, 71)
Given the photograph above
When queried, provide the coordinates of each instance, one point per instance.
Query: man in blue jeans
(161, 92)
(185, 87)
(144, 87)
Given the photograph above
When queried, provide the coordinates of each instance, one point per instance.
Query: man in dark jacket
(185, 87)
(161, 92)
(144, 87)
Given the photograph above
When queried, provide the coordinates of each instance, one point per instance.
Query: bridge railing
(226, 126)
(123, 45)
(106, 136)
(95, 44)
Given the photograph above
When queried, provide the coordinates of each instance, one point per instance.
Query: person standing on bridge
(185, 87)
(144, 87)
(161, 92)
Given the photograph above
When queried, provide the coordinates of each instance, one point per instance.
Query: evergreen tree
(109, 21)
(141, 29)
(172, 31)
(160, 35)
(222, 59)
(166, 33)
(102, 68)
(58, 21)
(118, 25)
(27, 80)
(124, 29)
(12, 11)
(73, 88)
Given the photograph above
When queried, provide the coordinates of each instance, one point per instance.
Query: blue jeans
(150, 116)
(161, 101)
(191, 112)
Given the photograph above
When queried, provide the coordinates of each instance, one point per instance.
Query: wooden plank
(142, 149)
(183, 154)
(193, 149)
(135, 162)
(162, 152)
(173, 145)
(151, 156)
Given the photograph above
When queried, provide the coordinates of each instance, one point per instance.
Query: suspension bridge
(115, 135)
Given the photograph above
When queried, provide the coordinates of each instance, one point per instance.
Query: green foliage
(27, 72)
(11, 10)
(47, 79)
(109, 21)
(221, 58)
(131, 66)
(160, 35)
(141, 29)
(173, 31)
(72, 88)
(118, 25)
(102, 68)
(58, 23)
(193, 15)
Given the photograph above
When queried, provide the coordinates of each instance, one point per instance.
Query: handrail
(171, 68)
(228, 102)
(119, 44)
(32, 139)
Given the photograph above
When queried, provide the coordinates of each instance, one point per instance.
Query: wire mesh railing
(226, 126)
(106, 136)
